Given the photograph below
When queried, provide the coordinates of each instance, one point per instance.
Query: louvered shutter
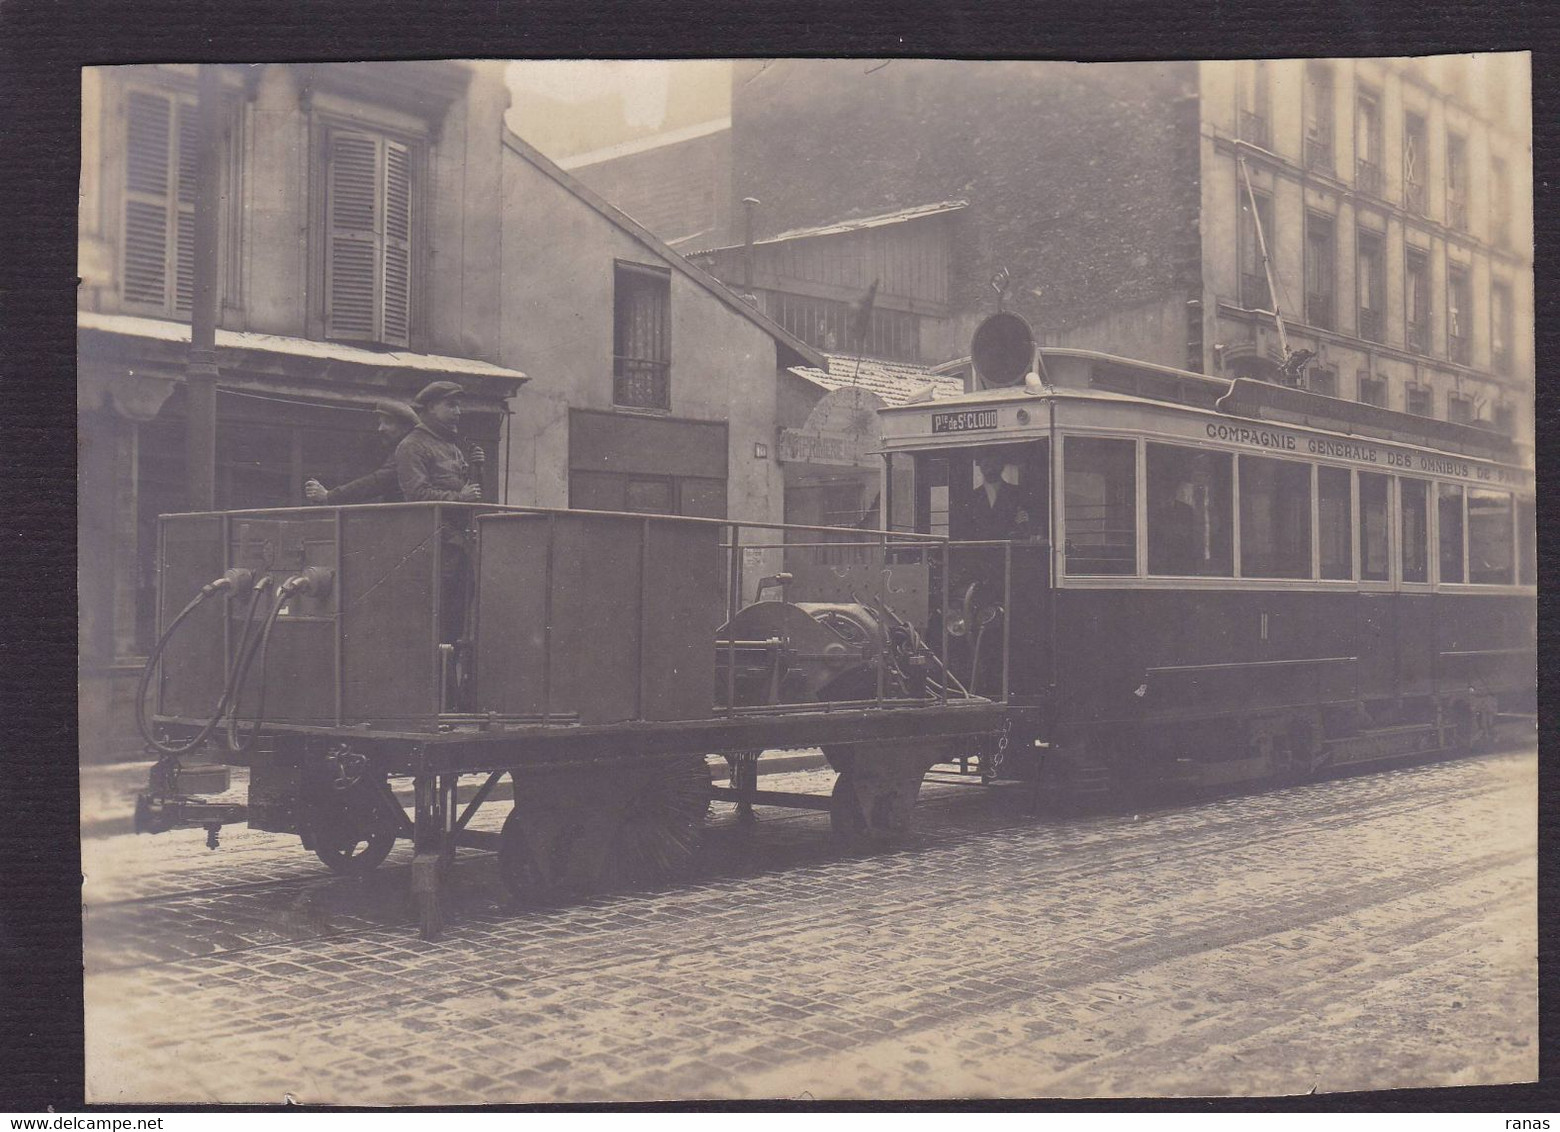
(184, 206)
(147, 174)
(397, 244)
(352, 260)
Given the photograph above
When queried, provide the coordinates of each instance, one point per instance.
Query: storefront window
(1335, 519)
(1527, 532)
(1101, 502)
(1189, 512)
(1275, 518)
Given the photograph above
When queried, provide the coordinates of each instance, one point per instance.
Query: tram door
(992, 503)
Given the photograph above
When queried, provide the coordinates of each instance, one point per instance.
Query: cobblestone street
(1367, 932)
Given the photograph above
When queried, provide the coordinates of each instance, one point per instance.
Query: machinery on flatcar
(1155, 578)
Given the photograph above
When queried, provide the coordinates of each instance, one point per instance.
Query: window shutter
(352, 262)
(184, 231)
(398, 244)
(146, 199)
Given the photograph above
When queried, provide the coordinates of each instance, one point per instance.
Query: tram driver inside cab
(997, 509)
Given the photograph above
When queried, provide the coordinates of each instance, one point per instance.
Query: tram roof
(1129, 381)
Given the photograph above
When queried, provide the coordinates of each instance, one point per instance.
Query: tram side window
(1189, 512)
(1275, 518)
(1489, 537)
(1449, 505)
(1101, 510)
(1335, 520)
(1414, 532)
(1527, 543)
(1374, 542)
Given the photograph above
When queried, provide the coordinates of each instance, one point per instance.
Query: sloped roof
(900, 216)
(659, 247)
(895, 382)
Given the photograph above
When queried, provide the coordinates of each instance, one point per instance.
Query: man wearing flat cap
(381, 485)
(429, 463)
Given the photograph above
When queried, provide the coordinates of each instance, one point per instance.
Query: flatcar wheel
(660, 825)
(354, 853)
(869, 811)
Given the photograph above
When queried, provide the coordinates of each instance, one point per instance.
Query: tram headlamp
(957, 623)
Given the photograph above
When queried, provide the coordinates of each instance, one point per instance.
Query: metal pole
(201, 368)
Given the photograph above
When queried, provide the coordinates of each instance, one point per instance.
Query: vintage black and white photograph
(829, 578)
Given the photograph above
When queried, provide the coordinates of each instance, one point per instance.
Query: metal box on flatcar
(363, 652)
(609, 617)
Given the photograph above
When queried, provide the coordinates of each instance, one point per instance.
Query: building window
(1334, 516)
(1527, 542)
(1414, 529)
(1374, 541)
(1320, 239)
(1275, 518)
(1101, 505)
(1367, 142)
(1416, 299)
(1459, 408)
(1416, 158)
(1189, 512)
(1323, 380)
(829, 325)
(1457, 181)
(1490, 536)
(368, 262)
(1318, 116)
(1449, 505)
(1254, 291)
(1500, 203)
(1371, 279)
(1459, 315)
(1372, 389)
(1505, 420)
(1500, 327)
(1255, 96)
(641, 337)
(1417, 399)
(162, 140)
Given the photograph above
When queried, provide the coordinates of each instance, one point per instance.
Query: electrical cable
(152, 661)
(262, 646)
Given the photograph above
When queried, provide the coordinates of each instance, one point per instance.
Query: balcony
(641, 384)
(1371, 324)
(1459, 349)
(1415, 197)
(1254, 294)
(1457, 212)
(1319, 309)
(1319, 152)
(1367, 177)
(1254, 128)
(1419, 337)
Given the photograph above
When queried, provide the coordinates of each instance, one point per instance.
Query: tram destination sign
(964, 420)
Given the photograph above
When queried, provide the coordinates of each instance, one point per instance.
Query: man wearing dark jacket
(429, 463)
(380, 485)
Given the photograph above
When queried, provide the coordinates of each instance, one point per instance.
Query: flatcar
(1195, 582)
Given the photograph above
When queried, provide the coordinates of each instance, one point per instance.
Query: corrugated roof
(895, 382)
(915, 212)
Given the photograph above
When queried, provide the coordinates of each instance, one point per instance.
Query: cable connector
(314, 581)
